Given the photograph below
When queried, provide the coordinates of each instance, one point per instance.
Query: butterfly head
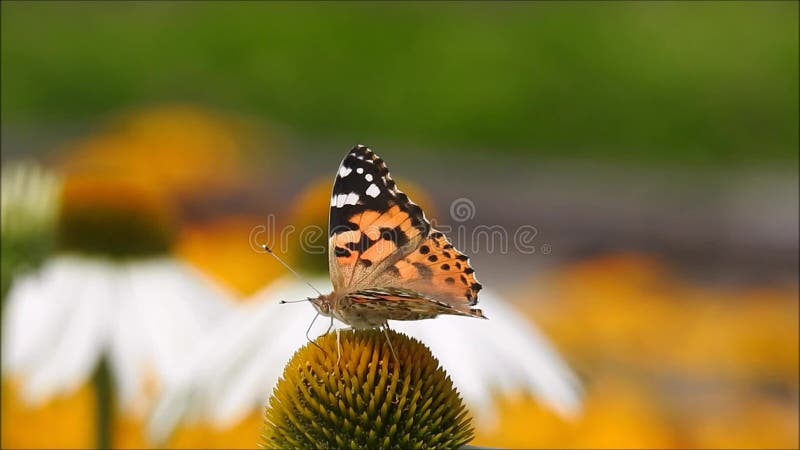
(322, 304)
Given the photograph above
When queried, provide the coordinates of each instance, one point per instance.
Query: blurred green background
(700, 83)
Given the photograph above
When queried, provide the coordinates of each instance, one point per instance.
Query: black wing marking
(363, 183)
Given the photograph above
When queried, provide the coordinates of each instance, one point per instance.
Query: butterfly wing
(438, 270)
(372, 224)
(381, 241)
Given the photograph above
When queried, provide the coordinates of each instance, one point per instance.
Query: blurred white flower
(145, 315)
(236, 367)
(28, 198)
(504, 355)
(237, 363)
(28, 209)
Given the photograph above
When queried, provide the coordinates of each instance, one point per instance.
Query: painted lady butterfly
(386, 261)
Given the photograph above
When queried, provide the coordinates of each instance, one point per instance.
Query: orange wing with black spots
(372, 223)
(439, 270)
(386, 263)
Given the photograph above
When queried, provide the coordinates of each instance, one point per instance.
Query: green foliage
(22, 252)
(367, 399)
(658, 82)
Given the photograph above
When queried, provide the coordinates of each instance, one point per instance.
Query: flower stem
(104, 395)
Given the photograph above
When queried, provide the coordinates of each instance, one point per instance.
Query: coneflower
(351, 392)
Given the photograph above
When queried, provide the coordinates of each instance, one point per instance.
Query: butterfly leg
(389, 341)
(329, 326)
(338, 347)
(308, 330)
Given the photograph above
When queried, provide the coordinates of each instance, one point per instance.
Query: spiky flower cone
(368, 399)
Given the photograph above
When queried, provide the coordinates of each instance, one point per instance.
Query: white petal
(167, 309)
(237, 364)
(29, 319)
(505, 354)
(64, 351)
(147, 315)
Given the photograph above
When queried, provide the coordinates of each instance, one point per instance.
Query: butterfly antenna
(299, 277)
(294, 301)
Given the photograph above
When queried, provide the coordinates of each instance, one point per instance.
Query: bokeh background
(653, 145)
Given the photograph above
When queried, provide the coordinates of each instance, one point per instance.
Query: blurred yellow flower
(222, 249)
(177, 149)
(616, 415)
(66, 421)
(711, 366)
(204, 434)
(640, 314)
(114, 217)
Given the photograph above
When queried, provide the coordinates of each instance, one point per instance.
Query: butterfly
(386, 261)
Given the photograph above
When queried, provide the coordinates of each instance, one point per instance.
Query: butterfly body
(386, 261)
(371, 308)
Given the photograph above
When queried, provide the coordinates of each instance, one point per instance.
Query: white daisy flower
(144, 315)
(140, 310)
(238, 364)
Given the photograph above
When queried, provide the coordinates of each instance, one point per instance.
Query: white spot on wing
(344, 199)
(368, 177)
(360, 170)
(373, 190)
(352, 199)
(344, 171)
